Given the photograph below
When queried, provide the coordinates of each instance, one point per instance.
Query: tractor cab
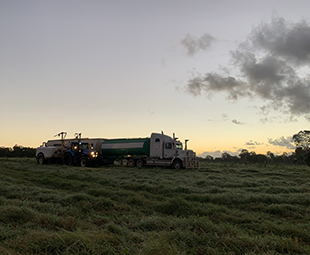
(80, 154)
(79, 147)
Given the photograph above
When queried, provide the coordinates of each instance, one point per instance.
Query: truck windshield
(83, 146)
(179, 146)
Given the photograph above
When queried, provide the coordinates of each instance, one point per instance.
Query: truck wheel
(177, 164)
(68, 159)
(130, 162)
(139, 163)
(83, 162)
(40, 159)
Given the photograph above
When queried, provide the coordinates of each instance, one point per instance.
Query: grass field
(216, 209)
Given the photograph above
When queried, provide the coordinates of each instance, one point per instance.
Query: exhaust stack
(186, 144)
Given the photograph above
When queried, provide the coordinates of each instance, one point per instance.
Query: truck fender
(41, 158)
(71, 152)
(177, 163)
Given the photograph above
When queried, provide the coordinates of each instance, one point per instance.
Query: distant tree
(244, 155)
(300, 156)
(302, 142)
(260, 158)
(209, 158)
(225, 156)
(302, 139)
(217, 159)
(5, 152)
(17, 151)
(270, 155)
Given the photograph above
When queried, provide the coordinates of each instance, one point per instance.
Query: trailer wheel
(177, 164)
(83, 162)
(139, 162)
(68, 159)
(40, 159)
(130, 162)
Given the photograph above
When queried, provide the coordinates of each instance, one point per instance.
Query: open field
(216, 209)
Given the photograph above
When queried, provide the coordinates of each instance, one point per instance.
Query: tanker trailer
(157, 150)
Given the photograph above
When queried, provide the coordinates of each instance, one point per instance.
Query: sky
(227, 75)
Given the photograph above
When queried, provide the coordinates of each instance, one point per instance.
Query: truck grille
(191, 160)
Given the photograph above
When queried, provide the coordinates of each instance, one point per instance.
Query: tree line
(251, 157)
(301, 155)
(17, 151)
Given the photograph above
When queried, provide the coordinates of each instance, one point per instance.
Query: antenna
(78, 135)
(62, 134)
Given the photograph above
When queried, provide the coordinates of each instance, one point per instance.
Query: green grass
(216, 209)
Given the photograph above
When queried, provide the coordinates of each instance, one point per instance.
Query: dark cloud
(213, 82)
(268, 65)
(283, 142)
(193, 44)
(288, 40)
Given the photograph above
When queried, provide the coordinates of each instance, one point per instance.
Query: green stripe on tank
(124, 147)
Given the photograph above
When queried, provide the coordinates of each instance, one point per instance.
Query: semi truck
(75, 151)
(156, 150)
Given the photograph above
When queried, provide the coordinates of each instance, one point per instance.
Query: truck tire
(130, 162)
(83, 162)
(68, 159)
(177, 164)
(139, 162)
(40, 159)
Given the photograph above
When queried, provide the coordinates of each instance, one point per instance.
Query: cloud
(237, 122)
(283, 142)
(150, 112)
(225, 116)
(218, 153)
(193, 44)
(253, 143)
(268, 65)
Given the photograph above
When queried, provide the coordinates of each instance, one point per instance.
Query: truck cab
(170, 151)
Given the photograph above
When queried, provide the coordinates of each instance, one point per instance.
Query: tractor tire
(68, 160)
(177, 164)
(40, 159)
(83, 162)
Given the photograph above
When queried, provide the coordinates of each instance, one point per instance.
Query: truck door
(168, 150)
(156, 146)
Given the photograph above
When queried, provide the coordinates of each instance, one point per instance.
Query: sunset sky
(227, 75)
